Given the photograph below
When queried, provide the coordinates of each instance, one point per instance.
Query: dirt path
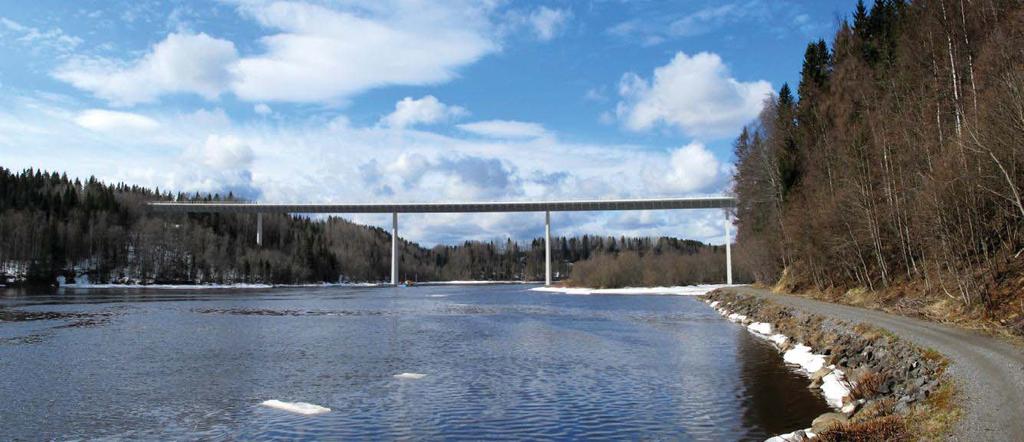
(990, 371)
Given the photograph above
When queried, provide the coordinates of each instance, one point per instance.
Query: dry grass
(886, 428)
(867, 385)
(935, 418)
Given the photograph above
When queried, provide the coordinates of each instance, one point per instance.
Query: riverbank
(880, 386)
(989, 372)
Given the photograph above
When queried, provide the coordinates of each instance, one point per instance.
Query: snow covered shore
(834, 386)
(686, 290)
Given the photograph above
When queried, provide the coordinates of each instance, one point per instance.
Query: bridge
(717, 202)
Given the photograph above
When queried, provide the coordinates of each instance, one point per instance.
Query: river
(500, 362)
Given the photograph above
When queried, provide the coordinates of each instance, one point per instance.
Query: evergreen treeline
(901, 166)
(51, 225)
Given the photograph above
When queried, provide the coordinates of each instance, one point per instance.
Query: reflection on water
(499, 362)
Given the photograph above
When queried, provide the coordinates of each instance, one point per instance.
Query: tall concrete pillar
(394, 248)
(728, 250)
(547, 248)
(259, 229)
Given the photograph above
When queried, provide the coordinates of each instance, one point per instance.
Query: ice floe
(410, 376)
(688, 290)
(296, 407)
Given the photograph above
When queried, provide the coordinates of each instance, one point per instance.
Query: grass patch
(935, 418)
(886, 428)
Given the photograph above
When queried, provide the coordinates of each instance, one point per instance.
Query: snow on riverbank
(687, 290)
(834, 387)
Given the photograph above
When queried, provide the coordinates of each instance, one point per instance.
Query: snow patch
(778, 339)
(296, 407)
(834, 388)
(763, 328)
(735, 317)
(793, 437)
(410, 376)
(801, 355)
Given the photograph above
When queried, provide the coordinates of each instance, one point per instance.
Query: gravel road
(990, 372)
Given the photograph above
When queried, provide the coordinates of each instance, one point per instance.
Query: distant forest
(898, 164)
(52, 225)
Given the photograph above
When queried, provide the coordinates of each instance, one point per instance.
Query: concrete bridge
(718, 202)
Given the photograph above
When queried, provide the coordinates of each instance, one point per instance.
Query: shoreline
(253, 286)
(878, 385)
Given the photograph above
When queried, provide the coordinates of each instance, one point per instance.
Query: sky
(405, 101)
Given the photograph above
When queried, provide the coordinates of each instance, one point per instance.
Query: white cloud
(313, 53)
(692, 168)
(696, 94)
(325, 55)
(225, 151)
(547, 22)
(262, 109)
(426, 110)
(221, 164)
(505, 129)
(105, 120)
(181, 63)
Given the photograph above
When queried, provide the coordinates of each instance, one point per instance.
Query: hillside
(893, 176)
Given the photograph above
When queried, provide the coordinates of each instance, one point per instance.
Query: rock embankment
(870, 377)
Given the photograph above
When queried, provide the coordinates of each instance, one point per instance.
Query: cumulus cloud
(692, 168)
(181, 63)
(696, 94)
(505, 129)
(106, 120)
(547, 22)
(426, 110)
(459, 176)
(221, 164)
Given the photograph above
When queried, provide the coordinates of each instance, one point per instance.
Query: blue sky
(405, 101)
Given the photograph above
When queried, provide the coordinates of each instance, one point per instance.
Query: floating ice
(410, 376)
(437, 296)
(296, 407)
(763, 328)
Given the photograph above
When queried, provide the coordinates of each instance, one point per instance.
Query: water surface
(501, 362)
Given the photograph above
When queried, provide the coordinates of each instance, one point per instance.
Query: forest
(52, 225)
(893, 173)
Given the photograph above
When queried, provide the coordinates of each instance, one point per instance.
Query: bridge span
(716, 202)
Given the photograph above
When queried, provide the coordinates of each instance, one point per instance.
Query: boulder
(823, 422)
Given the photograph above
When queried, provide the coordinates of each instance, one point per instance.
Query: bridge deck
(524, 206)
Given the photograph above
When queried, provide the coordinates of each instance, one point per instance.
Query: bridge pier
(394, 248)
(259, 229)
(728, 251)
(547, 247)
